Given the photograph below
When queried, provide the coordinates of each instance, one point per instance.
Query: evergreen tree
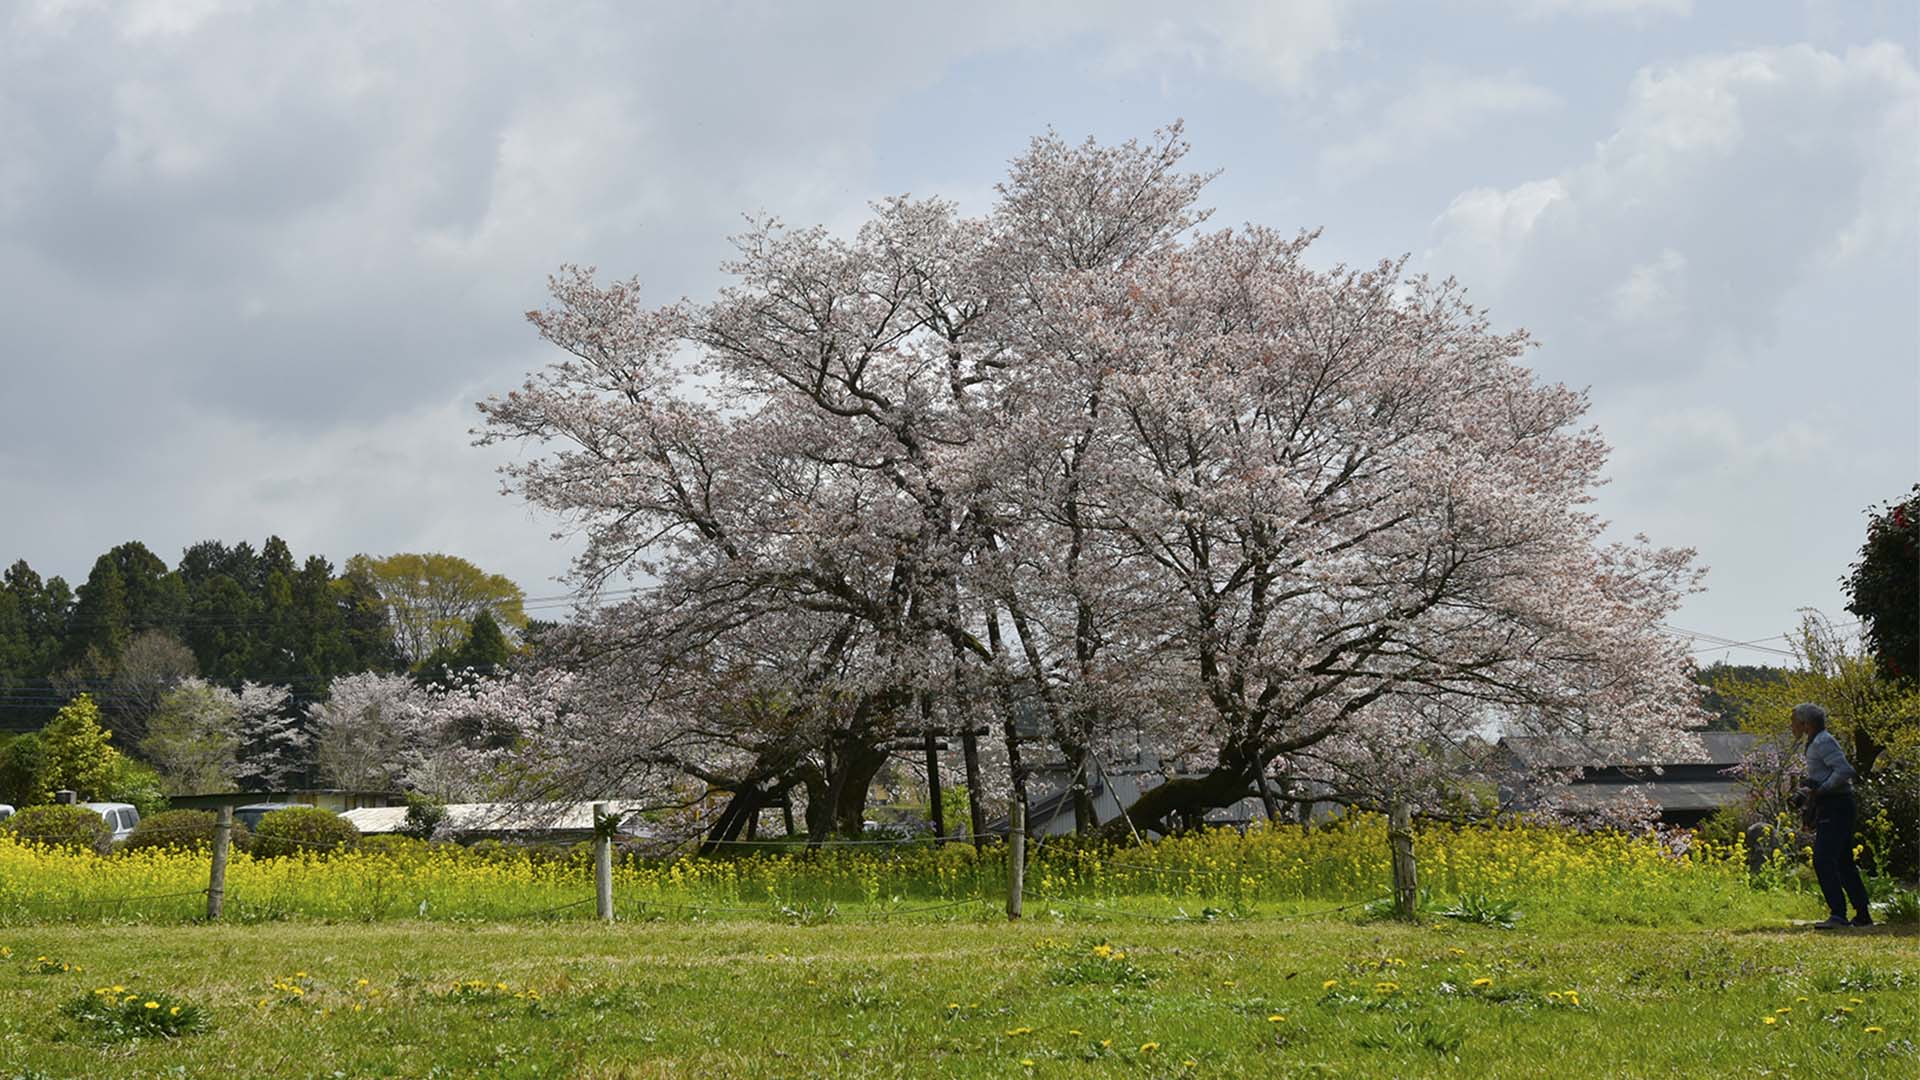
(100, 617)
(78, 756)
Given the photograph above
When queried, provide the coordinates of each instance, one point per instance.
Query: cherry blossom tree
(1157, 485)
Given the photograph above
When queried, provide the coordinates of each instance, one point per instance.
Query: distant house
(562, 821)
(1687, 786)
(334, 799)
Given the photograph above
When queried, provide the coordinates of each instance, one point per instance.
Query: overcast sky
(257, 260)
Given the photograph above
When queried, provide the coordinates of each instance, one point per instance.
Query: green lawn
(972, 997)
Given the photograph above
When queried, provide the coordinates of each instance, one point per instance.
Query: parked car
(121, 818)
(250, 814)
(6, 811)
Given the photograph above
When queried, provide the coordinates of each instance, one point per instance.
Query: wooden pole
(1016, 859)
(602, 862)
(217, 881)
(1406, 877)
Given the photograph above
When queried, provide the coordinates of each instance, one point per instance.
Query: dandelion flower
(1277, 1018)
(1149, 1047)
(1782, 1011)
(1028, 1062)
(1850, 1001)
(1458, 951)
(1483, 982)
(1330, 984)
(1769, 1020)
(153, 1004)
(1385, 987)
(1876, 1031)
(1106, 1044)
(175, 1011)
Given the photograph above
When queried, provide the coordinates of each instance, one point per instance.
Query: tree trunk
(1187, 796)
(1406, 876)
(976, 814)
(1267, 802)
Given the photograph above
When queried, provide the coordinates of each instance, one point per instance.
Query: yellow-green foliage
(1267, 870)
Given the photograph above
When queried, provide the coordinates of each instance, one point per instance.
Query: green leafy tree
(194, 739)
(1879, 717)
(23, 769)
(78, 756)
(1884, 588)
(431, 599)
(1727, 711)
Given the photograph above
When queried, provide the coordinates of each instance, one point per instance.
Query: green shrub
(183, 829)
(137, 783)
(395, 845)
(61, 826)
(303, 828)
(425, 814)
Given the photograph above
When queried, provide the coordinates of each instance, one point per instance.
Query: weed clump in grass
(114, 1012)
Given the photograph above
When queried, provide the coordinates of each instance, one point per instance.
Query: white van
(121, 818)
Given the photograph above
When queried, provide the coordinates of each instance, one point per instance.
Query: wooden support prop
(217, 880)
(602, 862)
(1016, 859)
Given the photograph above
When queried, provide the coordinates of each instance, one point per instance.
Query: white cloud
(1270, 44)
(1633, 9)
(1728, 180)
(1441, 107)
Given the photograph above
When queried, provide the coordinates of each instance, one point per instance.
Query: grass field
(968, 997)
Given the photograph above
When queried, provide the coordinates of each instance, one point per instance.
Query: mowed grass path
(975, 998)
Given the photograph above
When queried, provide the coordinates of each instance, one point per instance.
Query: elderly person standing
(1829, 786)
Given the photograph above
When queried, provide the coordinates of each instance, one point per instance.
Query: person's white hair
(1808, 713)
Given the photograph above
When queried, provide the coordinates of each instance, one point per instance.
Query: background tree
(1728, 714)
(151, 664)
(193, 738)
(1876, 717)
(77, 754)
(273, 753)
(1883, 588)
(431, 599)
(370, 733)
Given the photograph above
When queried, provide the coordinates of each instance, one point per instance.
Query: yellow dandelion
(1845, 1010)
(1330, 984)
(1553, 995)
(1073, 1031)
(1483, 982)
(1573, 997)
(1149, 1047)
(153, 1005)
(1229, 984)
(1385, 987)
(1769, 1020)
(1458, 952)
(1277, 1018)
(1106, 1044)
(1782, 1011)
(1028, 1062)
(1876, 1031)
(175, 1011)
(299, 974)
(1800, 1000)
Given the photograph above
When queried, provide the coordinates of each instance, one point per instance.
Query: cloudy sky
(258, 260)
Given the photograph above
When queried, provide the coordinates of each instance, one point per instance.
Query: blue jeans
(1833, 855)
